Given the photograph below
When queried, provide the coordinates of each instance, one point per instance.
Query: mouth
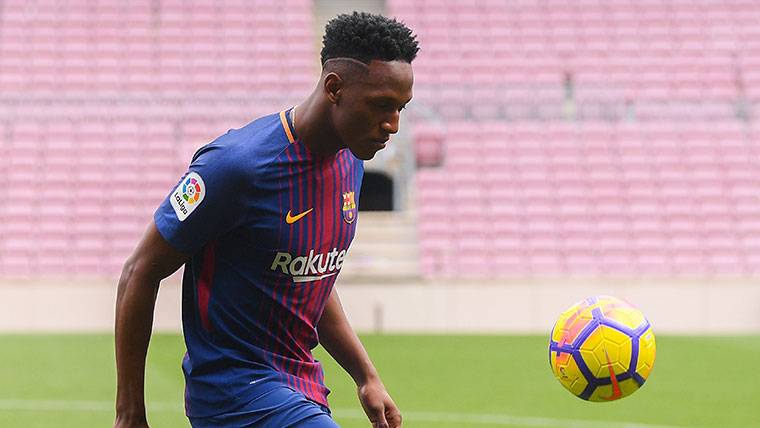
(380, 143)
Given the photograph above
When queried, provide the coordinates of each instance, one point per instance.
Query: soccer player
(262, 221)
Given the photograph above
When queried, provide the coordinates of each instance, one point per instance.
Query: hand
(379, 406)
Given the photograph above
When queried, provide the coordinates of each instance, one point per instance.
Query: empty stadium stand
(592, 199)
(527, 60)
(103, 103)
(587, 138)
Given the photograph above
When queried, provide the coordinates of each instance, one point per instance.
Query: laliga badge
(188, 195)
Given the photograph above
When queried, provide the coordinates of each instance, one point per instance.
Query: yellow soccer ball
(602, 349)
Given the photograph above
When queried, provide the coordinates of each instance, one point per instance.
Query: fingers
(381, 411)
(377, 417)
(394, 418)
(387, 417)
(392, 414)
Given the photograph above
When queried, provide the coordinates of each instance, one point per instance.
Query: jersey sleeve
(206, 203)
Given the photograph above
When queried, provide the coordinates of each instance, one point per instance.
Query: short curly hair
(365, 37)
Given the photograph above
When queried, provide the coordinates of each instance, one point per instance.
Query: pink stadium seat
(93, 117)
(644, 55)
(587, 139)
(653, 200)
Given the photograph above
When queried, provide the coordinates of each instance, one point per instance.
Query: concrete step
(365, 270)
(385, 247)
(373, 232)
(388, 218)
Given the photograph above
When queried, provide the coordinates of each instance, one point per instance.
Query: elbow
(127, 274)
(134, 274)
(127, 271)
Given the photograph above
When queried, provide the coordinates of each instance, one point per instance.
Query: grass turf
(437, 381)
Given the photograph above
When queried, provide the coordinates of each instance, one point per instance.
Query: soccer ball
(602, 349)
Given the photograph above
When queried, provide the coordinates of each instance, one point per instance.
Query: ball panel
(568, 373)
(625, 315)
(616, 336)
(570, 324)
(592, 360)
(647, 354)
(605, 393)
(606, 347)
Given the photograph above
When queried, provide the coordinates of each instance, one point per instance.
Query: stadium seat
(88, 109)
(662, 199)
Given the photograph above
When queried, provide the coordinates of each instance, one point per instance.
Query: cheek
(357, 123)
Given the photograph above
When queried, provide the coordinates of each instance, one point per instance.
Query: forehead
(388, 78)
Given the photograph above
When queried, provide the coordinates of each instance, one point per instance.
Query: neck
(314, 127)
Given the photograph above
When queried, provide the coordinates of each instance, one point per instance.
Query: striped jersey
(268, 225)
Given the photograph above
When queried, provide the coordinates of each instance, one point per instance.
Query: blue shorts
(279, 408)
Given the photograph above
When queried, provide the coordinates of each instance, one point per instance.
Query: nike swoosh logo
(312, 278)
(290, 219)
(616, 392)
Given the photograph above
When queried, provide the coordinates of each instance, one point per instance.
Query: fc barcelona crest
(349, 207)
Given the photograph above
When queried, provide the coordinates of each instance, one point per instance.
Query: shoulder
(246, 150)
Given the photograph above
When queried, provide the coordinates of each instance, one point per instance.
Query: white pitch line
(503, 420)
(77, 406)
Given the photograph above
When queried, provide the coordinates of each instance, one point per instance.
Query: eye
(385, 105)
(402, 108)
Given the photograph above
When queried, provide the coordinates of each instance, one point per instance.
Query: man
(262, 221)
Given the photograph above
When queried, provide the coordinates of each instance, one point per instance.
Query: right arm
(219, 178)
(153, 260)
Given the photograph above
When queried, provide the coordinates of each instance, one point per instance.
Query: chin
(366, 155)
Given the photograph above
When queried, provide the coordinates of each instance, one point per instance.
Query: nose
(391, 125)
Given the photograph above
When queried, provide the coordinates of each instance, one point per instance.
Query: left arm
(342, 343)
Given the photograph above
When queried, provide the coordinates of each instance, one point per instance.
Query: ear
(333, 85)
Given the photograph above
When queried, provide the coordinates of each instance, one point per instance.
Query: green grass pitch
(438, 381)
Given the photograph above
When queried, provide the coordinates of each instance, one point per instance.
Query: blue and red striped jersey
(268, 225)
